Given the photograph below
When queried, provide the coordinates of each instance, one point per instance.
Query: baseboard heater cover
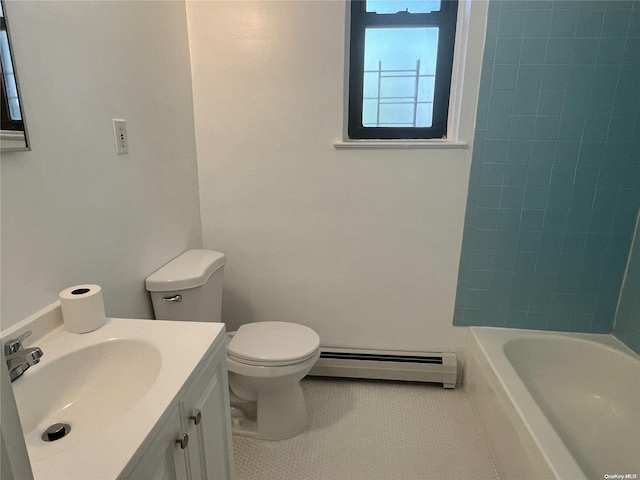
(387, 365)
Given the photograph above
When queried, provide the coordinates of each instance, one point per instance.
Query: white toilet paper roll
(82, 308)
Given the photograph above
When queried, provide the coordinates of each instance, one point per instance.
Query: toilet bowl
(266, 360)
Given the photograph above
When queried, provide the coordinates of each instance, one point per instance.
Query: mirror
(13, 134)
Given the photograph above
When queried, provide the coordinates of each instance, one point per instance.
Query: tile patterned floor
(368, 430)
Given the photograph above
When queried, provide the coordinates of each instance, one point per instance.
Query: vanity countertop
(103, 447)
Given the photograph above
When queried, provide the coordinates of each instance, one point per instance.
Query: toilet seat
(273, 344)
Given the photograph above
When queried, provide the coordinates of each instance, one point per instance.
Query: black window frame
(445, 19)
(7, 123)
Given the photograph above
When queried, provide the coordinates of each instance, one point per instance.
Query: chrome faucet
(18, 358)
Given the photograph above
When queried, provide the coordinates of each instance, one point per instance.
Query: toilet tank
(189, 287)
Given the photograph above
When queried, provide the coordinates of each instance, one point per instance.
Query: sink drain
(56, 432)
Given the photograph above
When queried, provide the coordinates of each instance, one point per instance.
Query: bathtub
(555, 405)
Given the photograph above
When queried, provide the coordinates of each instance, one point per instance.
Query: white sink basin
(112, 386)
(89, 389)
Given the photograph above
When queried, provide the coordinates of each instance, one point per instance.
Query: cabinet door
(210, 449)
(165, 459)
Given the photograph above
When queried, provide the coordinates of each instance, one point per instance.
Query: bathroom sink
(88, 389)
(112, 386)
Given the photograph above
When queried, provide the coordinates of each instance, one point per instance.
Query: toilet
(266, 360)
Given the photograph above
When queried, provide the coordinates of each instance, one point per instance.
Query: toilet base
(278, 414)
(271, 398)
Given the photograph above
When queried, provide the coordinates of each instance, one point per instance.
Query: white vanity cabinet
(165, 459)
(205, 417)
(194, 442)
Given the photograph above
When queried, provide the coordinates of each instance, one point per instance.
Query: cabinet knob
(183, 441)
(196, 417)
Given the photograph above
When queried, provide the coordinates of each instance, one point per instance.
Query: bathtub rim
(532, 428)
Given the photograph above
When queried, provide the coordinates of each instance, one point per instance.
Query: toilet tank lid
(190, 270)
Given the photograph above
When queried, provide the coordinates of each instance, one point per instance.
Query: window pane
(7, 67)
(400, 67)
(425, 113)
(425, 90)
(370, 110)
(395, 6)
(396, 115)
(9, 78)
(370, 85)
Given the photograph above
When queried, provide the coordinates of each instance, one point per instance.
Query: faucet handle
(14, 345)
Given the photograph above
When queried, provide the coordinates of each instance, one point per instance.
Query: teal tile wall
(627, 325)
(555, 177)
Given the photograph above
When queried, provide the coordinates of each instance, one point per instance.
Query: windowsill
(399, 144)
(11, 135)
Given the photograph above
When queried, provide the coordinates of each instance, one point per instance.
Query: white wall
(361, 245)
(72, 211)
(14, 463)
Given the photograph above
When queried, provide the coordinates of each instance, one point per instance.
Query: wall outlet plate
(120, 132)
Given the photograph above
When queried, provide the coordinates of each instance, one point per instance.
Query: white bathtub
(556, 405)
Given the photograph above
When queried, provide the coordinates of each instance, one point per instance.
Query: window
(401, 58)
(11, 115)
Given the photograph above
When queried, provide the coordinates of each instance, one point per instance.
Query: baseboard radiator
(387, 365)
